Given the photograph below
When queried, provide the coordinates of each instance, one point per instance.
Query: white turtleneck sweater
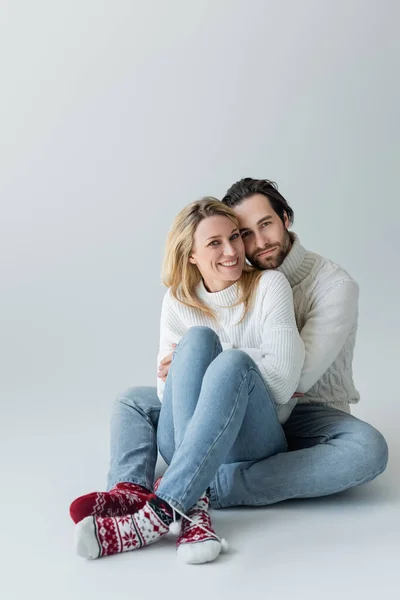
(326, 306)
(268, 333)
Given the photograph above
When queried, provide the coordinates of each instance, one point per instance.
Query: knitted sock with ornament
(122, 499)
(198, 543)
(102, 536)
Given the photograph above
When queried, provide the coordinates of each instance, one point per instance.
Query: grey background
(114, 115)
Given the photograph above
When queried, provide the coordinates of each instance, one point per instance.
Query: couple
(255, 378)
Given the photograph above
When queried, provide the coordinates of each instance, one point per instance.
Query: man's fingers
(164, 364)
(166, 360)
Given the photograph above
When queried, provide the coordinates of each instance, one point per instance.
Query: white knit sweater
(326, 307)
(268, 333)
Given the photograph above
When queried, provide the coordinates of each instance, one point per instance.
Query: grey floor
(113, 116)
(343, 546)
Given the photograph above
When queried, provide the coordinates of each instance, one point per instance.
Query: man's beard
(275, 260)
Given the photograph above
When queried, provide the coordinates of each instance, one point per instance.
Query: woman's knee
(231, 363)
(199, 336)
(234, 359)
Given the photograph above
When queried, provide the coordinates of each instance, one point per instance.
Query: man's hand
(165, 364)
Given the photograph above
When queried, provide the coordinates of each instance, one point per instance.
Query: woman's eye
(235, 236)
(214, 243)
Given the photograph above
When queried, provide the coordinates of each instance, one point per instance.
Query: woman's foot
(198, 543)
(102, 536)
(122, 499)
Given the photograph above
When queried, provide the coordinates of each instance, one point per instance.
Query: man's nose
(260, 239)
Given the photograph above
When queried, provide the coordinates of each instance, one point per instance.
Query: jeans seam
(214, 356)
(354, 483)
(213, 495)
(135, 480)
(147, 467)
(163, 457)
(234, 409)
(171, 501)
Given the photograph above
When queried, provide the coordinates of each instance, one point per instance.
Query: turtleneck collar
(297, 263)
(226, 297)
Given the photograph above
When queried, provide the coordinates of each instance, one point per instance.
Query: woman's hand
(165, 364)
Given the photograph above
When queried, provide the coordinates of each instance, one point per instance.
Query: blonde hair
(179, 274)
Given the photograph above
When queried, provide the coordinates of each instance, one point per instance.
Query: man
(329, 449)
(333, 450)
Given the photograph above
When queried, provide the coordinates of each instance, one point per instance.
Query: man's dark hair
(243, 189)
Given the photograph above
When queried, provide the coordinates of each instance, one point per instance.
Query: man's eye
(245, 233)
(265, 223)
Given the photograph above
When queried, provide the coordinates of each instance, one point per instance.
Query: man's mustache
(269, 247)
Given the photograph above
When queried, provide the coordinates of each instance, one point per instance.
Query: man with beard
(329, 449)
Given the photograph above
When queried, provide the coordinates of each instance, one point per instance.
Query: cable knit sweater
(326, 306)
(268, 333)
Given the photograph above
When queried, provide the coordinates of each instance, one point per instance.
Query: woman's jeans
(216, 409)
(329, 450)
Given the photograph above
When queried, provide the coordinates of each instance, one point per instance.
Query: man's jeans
(254, 460)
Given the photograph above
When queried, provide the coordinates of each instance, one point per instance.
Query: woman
(236, 366)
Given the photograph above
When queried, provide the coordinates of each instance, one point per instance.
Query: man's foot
(198, 543)
(102, 536)
(122, 499)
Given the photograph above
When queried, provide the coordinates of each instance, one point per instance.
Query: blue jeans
(329, 451)
(216, 409)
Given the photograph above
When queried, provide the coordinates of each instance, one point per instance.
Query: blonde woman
(237, 363)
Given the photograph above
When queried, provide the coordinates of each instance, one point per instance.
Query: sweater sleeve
(282, 351)
(328, 325)
(171, 332)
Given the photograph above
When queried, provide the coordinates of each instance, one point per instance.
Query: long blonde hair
(179, 274)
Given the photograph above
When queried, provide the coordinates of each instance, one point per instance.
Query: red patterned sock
(122, 499)
(157, 484)
(198, 543)
(102, 536)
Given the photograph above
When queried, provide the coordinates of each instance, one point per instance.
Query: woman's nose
(229, 250)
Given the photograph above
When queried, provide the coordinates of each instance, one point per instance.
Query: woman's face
(218, 252)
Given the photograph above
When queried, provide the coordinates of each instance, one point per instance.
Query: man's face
(265, 236)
